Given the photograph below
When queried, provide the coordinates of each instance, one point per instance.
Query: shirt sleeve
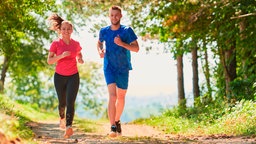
(132, 35)
(78, 46)
(101, 35)
(53, 47)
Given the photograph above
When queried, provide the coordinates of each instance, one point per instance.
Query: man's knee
(112, 97)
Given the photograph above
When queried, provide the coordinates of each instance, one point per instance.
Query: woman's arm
(80, 58)
(52, 58)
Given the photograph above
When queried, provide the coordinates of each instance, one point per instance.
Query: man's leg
(122, 85)
(112, 103)
(112, 108)
(120, 102)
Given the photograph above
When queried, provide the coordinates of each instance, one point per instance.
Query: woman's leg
(72, 90)
(60, 87)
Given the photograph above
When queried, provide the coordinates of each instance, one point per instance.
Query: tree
(24, 41)
(196, 90)
(227, 33)
(244, 17)
(224, 28)
(214, 25)
(91, 89)
(206, 70)
(180, 81)
(168, 20)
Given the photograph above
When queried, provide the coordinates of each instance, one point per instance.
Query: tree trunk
(196, 91)
(231, 71)
(3, 73)
(242, 26)
(181, 92)
(229, 63)
(208, 97)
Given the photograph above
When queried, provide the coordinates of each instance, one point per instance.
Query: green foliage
(239, 119)
(91, 89)
(13, 108)
(243, 88)
(215, 118)
(14, 127)
(201, 113)
(22, 43)
(14, 118)
(222, 25)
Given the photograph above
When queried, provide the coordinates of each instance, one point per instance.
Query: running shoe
(118, 128)
(69, 132)
(62, 123)
(113, 131)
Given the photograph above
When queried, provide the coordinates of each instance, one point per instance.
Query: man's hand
(101, 50)
(118, 40)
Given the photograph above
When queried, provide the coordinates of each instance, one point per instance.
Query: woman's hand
(52, 58)
(65, 54)
(80, 60)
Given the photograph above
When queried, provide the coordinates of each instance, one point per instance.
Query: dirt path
(49, 133)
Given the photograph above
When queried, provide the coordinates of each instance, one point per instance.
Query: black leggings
(67, 88)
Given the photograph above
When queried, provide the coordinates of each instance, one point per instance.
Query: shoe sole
(112, 134)
(69, 132)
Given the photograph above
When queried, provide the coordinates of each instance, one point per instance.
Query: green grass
(14, 118)
(88, 125)
(239, 119)
(216, 118)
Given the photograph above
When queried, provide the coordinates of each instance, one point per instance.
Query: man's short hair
(114, 7)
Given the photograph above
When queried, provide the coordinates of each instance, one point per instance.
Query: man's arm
(100, 49)
(133, 46)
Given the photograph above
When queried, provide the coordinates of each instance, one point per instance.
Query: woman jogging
(65, 52)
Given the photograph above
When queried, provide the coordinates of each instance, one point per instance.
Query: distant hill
(139, 107)
(144, 107)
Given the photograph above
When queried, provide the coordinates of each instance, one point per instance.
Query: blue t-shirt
(117, 58)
